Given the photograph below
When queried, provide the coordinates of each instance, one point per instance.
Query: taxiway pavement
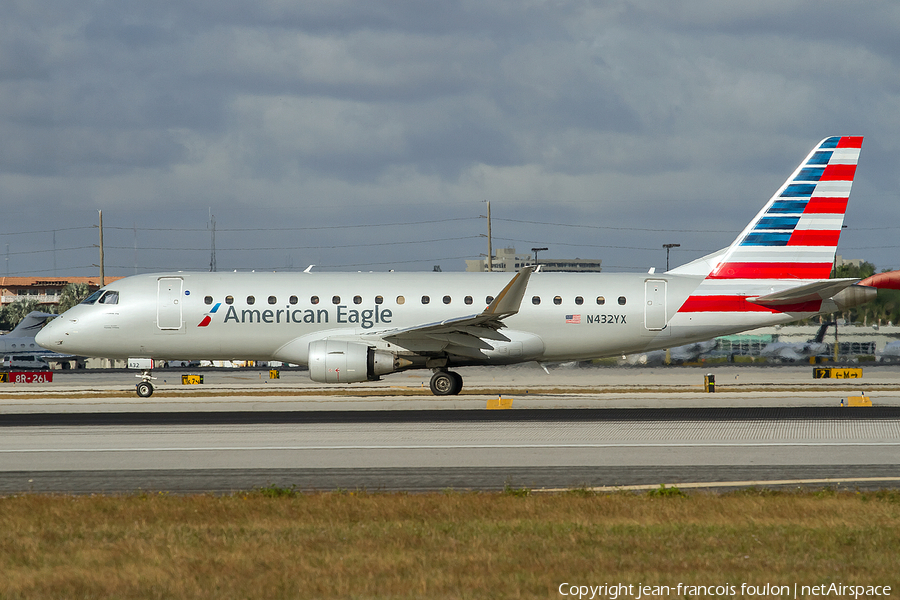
(572, 428)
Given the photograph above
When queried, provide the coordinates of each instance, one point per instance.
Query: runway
(86, 432)
(418, 450)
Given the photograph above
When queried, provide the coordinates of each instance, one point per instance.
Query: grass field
(274, 543)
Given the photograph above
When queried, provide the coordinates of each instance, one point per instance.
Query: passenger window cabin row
(536, 300)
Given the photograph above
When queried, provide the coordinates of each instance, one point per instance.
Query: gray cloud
(684, 116)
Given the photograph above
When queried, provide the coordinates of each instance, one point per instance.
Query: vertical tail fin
(796, 233)
(790, 243)
(31, 324)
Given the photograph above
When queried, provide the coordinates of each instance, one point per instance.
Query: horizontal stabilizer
(818, 290)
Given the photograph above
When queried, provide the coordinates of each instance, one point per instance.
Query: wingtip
(507, 302)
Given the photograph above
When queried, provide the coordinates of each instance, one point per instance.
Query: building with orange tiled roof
(43, 290)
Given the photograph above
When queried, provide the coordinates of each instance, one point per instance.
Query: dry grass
(453, 545)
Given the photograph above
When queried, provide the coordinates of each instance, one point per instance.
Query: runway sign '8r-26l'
(27, 377)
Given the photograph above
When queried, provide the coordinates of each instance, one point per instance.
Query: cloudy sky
(366, 135)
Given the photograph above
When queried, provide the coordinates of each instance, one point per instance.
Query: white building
(506, 259)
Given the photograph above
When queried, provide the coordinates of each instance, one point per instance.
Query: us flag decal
(573, 318)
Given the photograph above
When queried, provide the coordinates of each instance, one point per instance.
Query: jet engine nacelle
(334, 361)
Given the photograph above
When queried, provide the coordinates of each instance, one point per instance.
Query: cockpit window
(110, 297)
(93, 297)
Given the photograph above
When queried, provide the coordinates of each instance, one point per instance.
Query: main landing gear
(144, 388)
(446, 383)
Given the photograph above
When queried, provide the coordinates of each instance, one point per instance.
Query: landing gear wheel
(457, 382)
(144, 389)
(446, 383)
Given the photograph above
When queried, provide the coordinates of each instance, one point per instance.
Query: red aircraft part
(883, 281)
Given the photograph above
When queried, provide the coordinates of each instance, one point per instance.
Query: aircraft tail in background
(31, 324)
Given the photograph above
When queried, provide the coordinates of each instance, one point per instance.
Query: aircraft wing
(466, 335)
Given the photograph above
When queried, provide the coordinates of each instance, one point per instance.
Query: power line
(591, 245)
(316, 228)
(395, 262)
(618, 228)
(33, 271)
(50, 250)
(48, 230)
(220, 249)
(282, 268)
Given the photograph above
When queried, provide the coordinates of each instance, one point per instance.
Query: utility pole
(102, 275)
(490, 248)
(212, 245)
(669, 247)
(837, 343)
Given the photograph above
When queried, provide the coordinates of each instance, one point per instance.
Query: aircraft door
(168, 307)
(655, 317)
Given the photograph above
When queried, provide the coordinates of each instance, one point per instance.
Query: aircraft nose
(51, 336)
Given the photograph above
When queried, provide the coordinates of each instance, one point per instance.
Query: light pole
(536, 250)
(669, 247)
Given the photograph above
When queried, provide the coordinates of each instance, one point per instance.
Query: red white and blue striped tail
(791, 242)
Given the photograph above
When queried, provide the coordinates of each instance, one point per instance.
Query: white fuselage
(274, 316)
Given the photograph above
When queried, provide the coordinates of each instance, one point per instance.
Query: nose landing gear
(446, 383)
(144, 388)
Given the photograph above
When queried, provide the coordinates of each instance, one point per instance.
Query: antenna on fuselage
(308, 269)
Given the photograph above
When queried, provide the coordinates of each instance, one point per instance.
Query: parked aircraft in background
(890, 353)
(21, 338)
(798, 351)
(351, 327)
(677, 355)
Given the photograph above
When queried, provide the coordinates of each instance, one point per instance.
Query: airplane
(21, 338)
(677, 355)
(890, 353)
(359, 327)
(796, 351)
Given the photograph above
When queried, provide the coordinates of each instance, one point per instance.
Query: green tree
(72, 294)
(885, 308)
(865, 269)
(16, 311)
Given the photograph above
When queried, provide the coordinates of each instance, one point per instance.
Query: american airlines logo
(208, 318)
